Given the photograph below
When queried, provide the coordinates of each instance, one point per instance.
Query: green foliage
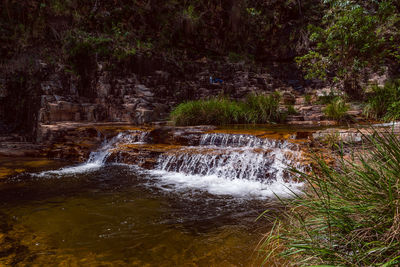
(382, 100)
(352, 37)
(261, 108)
(348, 214)
(190, 13)
(393, 113)
(253, 12)
(201, 28)
(82, 44)
(213, 111)
(291, 110)
(332, 140)
(326, 98)
(289, 99)
(337, 109)
(308, 99)
(220, 111)
(314, 64)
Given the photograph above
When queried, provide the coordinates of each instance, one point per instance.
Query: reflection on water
(118, 216)
(11, 166)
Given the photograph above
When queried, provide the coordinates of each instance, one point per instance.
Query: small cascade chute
(98, 158)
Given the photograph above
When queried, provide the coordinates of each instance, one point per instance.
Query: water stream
(196, 207)
(234, 164)
(97, 159)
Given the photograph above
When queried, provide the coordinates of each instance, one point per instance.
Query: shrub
(348, 215)
(393, 112)
(332, 140)
(382, 99)
(351, 37)
(219, 111)
(291, 110)
(326, 98)
(82, 44)
(308, 99)
(337, 109)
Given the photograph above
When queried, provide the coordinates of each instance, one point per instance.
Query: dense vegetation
(349, 216)
(126, 27)
(349, 38)
(220, 111)
(384, 102)
(353, 39)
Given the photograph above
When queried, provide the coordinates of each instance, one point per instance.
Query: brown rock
(288, 98)
(328, 123)
(302, 123)
(314, 117)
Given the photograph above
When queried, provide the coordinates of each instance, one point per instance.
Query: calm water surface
(121, 216)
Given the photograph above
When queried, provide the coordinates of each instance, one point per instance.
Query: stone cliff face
(131, 61)
(137, 96)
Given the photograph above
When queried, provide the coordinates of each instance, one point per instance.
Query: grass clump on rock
(348, 215)
(213, 111)
(337, 109)
(220, 111)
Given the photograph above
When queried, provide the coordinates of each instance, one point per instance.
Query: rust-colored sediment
(149, 147)
(12, 166)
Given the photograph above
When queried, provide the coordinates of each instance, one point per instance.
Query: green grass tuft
(326, 98)
(291, 110)
(337, 109)
(349, 215)
(220, 111)
(308, 99)
(261, 108)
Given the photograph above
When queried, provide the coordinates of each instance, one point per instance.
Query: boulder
(63, 111)
(142, 90)
(143, 115)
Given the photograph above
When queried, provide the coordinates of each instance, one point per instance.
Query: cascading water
(98, 158)
(224, 164)
(233, 164)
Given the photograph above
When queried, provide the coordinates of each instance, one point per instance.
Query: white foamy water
(238, 165)
(224, 186)
(223, 164)
(98, 158)
(238, 140)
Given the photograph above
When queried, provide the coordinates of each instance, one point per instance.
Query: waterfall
(234, 164)
(240, 165)
(98, 158)
(233, 156)
(237, 140)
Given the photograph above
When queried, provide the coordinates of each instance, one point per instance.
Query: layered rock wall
(136, 96)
